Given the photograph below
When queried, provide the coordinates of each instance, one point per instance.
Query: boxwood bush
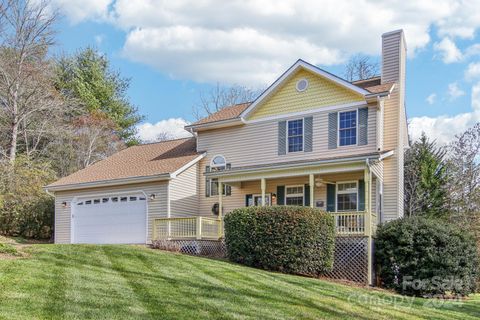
(288, 239)
(425, 257)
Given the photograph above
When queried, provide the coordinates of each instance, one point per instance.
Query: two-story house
(310, 139)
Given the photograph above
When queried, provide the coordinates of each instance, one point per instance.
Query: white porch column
(311, 182)
(263, 186)
(220, 200)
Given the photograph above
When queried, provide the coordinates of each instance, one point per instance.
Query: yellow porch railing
(352, 223)
(187, 228)
(346, 224)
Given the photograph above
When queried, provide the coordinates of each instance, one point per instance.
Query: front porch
(206, 228)
(350, 192)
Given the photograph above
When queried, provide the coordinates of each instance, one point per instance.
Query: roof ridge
(365, 80)
(160, 142)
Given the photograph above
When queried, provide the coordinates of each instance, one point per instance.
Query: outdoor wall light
(64, 204)
(152, 196)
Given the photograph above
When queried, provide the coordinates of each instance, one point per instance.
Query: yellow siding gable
(321, 92)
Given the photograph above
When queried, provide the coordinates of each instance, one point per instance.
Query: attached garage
(117, 200)
(119, 218)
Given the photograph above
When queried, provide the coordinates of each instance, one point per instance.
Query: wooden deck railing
(346, 224)
(354, 223)
(349, 223)
(187, 228)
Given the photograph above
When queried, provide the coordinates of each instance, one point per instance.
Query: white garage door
(110, 219)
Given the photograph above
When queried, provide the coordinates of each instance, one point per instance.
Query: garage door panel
(110, 221)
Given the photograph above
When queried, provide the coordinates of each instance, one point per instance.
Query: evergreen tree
(426, 179)
(88, 78)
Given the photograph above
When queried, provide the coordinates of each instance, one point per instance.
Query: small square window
(114, 199)
(133, 198)
(123, 199)
(96, 201)
(88, 202)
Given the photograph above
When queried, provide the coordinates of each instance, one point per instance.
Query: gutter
(214, 124)
(107, 183)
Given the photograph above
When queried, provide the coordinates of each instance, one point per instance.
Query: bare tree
(25, 86)
(360, 67)
(94, 139)
(164, 136)
(464, 186)
(464, 166)
(220, 97)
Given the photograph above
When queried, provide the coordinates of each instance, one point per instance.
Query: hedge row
(288, 239)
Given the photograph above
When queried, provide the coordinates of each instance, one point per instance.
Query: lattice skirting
(209, 248)
(350, 259)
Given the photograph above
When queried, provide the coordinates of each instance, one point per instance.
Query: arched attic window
(218, 163)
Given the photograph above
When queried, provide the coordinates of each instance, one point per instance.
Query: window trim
(338, 128)
(342, 192)
(303, 136)
(296, 194)
(306, 86)
(210, 181)
(216, 166)
(267, 195)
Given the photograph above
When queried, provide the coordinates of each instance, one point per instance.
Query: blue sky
(174, 50)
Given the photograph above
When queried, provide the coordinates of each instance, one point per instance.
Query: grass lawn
(125, 282)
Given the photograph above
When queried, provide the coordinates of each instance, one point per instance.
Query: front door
(257, 200)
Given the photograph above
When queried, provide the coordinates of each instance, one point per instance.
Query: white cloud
(431, 98)
(473, 71)
(454, 91)
(234, 56)
(77, 11)
(444, 128)
(448, 51)
(173, 127)
(253, 41)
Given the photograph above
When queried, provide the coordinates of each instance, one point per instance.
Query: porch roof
(295, 168)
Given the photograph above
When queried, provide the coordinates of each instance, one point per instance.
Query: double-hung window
(295, 135)
(347, 128)
(213, 187)
(218, 163)
(347, 196)
(294, 195)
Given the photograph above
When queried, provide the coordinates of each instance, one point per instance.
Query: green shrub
(289, 239)
(425, 257)
(25, 208)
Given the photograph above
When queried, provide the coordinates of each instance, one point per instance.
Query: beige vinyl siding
(377, 169)
(393, 69)
(257, 143)
(156, 208)
(184, 193)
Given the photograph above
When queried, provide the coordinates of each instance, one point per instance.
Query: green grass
(8, 249)
(128, 282)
